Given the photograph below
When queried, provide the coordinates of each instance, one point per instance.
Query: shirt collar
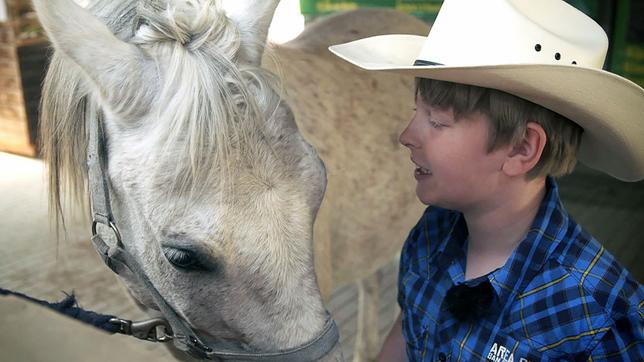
(545, 234)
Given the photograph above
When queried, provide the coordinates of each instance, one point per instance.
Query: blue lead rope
(69, 307)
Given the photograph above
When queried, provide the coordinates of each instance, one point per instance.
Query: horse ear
(114, 66)
(252, 17)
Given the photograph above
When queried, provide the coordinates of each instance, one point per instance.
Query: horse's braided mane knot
(192, 26)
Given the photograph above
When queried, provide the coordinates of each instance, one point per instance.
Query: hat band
(420, 62)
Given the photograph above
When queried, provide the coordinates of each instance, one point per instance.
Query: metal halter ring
(111, 225)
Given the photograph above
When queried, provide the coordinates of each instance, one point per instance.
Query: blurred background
(610, 209)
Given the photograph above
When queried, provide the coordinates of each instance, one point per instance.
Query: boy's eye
(436, 124)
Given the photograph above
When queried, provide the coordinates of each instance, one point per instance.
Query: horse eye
(183, 259)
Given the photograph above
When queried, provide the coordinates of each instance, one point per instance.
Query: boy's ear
(524, 155)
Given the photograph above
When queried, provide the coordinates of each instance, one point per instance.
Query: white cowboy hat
(545, 51)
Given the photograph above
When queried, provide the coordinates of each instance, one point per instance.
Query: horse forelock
(207, 109)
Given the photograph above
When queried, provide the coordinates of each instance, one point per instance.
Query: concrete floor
(33, 262)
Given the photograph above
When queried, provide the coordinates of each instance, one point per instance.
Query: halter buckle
(154, 330)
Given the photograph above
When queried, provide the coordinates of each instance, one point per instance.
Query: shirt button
(442, 357)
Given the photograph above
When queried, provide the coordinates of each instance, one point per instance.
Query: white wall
(287, 23)
(3, 11)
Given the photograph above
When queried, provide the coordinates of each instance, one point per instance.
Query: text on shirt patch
(499, 353)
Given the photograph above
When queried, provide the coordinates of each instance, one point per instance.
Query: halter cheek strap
(176, 328)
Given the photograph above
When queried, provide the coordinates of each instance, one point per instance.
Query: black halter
(174, 328)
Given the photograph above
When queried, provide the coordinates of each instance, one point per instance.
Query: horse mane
(207, 111)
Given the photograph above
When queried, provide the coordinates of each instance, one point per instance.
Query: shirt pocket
(500, 348)
(417, 319)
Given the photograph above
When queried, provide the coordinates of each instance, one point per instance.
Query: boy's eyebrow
(445, 120)
(427, 107)
(419, 102)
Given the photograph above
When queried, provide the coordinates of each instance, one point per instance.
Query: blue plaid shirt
(560, 296)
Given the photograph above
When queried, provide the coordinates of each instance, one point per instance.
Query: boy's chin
(431, 199)
(425, 197)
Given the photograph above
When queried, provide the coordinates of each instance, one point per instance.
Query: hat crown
(476, 32)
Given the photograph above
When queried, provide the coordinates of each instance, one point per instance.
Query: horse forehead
(192, 229)
(143, 185)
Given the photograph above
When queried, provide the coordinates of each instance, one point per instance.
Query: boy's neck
(496, 229)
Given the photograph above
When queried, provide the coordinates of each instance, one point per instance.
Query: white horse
(212, 185)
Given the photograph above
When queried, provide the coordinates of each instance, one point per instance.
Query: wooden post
(17, 125)
(367, 343)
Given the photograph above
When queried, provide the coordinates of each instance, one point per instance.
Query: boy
(509, 93)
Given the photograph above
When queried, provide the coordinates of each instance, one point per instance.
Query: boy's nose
(406, 137)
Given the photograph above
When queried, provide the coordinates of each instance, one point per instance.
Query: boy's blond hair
(508, 117)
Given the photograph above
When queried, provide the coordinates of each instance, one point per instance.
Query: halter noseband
(174, 327)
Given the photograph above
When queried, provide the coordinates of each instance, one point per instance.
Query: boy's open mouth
(422, 171)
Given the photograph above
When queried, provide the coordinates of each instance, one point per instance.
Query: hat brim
(608, 107)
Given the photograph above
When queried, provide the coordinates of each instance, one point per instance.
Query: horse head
(212, 186)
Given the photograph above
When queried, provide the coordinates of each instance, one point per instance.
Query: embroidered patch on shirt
(500, 353)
